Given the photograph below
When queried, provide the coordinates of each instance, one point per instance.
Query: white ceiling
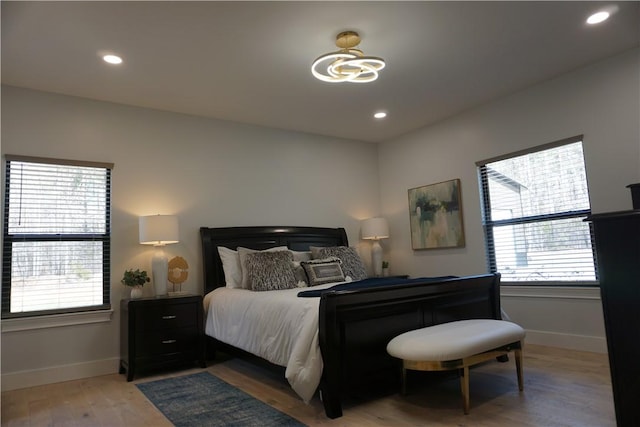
(250, 62)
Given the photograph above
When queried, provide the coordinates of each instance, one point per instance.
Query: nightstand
(160, 332)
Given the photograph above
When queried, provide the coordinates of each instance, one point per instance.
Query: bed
(334, 342)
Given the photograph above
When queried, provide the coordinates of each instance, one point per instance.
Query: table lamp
(375, 229)
(159, 230)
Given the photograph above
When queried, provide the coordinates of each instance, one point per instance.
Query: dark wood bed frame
(355, 326)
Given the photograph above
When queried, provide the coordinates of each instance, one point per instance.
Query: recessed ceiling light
(112, 59)
(598, 17)
(380, 115)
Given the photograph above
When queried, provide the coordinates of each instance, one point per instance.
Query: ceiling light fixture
(380, 115)
(347, 64)
(112, 59)
(598, 17)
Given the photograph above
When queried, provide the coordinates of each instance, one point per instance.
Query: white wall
(208, 172)
(600, 102)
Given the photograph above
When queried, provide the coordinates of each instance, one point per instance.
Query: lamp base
(376, 258)
(160, 271)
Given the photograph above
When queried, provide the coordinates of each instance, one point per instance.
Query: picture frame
(435, 216)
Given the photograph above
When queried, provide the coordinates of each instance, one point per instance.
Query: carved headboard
(295, 238)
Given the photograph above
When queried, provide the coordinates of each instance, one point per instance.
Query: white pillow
(231, 266)
(245, 283)
(301, 255)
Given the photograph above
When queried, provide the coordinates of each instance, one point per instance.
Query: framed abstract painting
(435, 216)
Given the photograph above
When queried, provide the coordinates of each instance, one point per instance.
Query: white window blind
(534, 206)
(57, 236)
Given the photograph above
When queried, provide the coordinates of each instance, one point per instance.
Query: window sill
(56, 320)
(563, 292)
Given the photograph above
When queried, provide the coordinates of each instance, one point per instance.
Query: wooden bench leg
(518, 352)
(464, 385)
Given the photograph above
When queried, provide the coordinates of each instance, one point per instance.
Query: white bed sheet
(276, 325)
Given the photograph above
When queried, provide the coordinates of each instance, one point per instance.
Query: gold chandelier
(347, 64)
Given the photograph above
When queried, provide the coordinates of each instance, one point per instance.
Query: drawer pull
(168, 317)
(168, 341)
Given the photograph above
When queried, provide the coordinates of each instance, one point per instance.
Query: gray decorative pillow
(242, 255)
(270, 271)
(352, 265)
(299, 273)
(320, 271)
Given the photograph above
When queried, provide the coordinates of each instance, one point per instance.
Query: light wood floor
(562, 388)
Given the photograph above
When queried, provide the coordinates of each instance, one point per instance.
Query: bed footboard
(355, 326)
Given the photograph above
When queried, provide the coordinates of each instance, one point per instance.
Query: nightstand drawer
(159, 342)
(166, 317)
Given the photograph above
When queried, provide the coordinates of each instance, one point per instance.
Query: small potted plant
(135, 279)
(385, 268)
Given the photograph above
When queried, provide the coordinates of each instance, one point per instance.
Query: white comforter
(275, 325)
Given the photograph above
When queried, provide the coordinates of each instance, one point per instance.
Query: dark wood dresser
(617, 236)
(160, 332)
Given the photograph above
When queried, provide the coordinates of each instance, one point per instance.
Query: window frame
(488, 223)
(9, 239)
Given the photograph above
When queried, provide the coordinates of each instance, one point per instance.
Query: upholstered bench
(457, 345)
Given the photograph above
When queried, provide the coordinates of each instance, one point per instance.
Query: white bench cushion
(454, 340)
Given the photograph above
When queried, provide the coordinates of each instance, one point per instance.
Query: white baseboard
(569, 341)
(56, 374)
(23, 379)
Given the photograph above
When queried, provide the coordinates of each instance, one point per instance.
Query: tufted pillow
(242, 254)
(351, 262)
(320, 271)
(269, 271)
(300, 274)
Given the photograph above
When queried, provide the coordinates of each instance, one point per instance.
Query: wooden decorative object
(178, 271)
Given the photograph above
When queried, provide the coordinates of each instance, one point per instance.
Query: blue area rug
(205, 400)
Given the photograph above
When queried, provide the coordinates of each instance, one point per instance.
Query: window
(534, 206)
(56, 247)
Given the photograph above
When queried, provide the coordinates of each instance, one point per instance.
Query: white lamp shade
(375, 228)
(158, 230)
